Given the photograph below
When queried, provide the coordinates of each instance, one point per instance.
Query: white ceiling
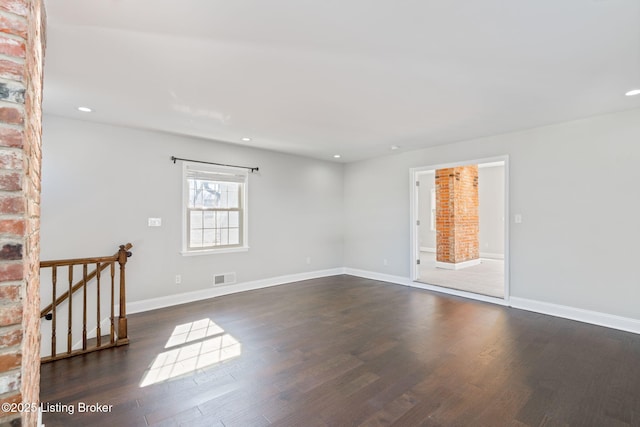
(353, 77)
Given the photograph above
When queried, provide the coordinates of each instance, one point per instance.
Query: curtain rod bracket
(251, 169)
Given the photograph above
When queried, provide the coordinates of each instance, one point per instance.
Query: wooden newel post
(123, 254)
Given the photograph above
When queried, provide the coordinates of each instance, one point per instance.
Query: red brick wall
(457, 219)
(22, 49)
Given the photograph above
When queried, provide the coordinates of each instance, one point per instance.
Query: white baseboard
(398, 280)
(458, 265)
(405, 281)
(587, 316)
(458, 293)
(215, 291)
(491, 255)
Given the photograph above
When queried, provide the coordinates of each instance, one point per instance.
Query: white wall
(576, 186)
(491, 210)
(100, 183)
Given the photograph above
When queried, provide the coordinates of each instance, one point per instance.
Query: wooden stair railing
(49, 312)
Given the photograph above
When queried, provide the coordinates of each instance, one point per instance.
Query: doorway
(460, 228)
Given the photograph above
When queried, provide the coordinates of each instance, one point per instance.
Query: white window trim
(214, 251)
(185, 200)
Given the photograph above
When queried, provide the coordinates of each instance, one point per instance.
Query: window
(214, 209)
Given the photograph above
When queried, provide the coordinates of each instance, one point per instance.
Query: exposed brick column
(22, 26)
(457, 219)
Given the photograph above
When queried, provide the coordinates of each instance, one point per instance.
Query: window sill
(214, 251)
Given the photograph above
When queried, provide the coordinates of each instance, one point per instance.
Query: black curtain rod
(174, 158)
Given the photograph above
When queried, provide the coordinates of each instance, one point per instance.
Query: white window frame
(223, 170)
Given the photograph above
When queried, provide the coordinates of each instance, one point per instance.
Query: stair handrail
(104, 264)
(50, 312)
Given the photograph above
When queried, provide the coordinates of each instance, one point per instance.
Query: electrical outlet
(308, 260)
(154, 222)
(385, 262)
(178, 279)
(517, 218)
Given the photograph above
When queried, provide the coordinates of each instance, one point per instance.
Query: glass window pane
(234, 219)
(224, 236)
(196, 239)
(202, 195)
(233, 198)
(224, 203)
(194, 199)
(216, 189)
(223, 219)
(196, 219)
(207, 194)
(234, 236)
(209, 238)
(209, 219)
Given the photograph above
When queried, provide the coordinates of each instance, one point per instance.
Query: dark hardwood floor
(345, 351)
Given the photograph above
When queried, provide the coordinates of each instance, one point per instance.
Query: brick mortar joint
(11, 149)
(11, 283)
(12, 126)
(15, 82)
(9, 329)
(9, 35)
(18, 60)
(14, 349)
(13, 216)
(8, 304)
(12, 15)
(16, 218)
(16, 105)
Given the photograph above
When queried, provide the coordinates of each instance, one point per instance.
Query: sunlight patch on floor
(193, 331)
(193, 346)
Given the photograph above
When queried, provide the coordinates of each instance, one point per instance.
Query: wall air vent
(224, 279)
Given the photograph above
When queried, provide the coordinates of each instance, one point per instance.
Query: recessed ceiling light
(336, 156)
(394, 147)
(85, 109)
(246, 139)
(633, 92)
